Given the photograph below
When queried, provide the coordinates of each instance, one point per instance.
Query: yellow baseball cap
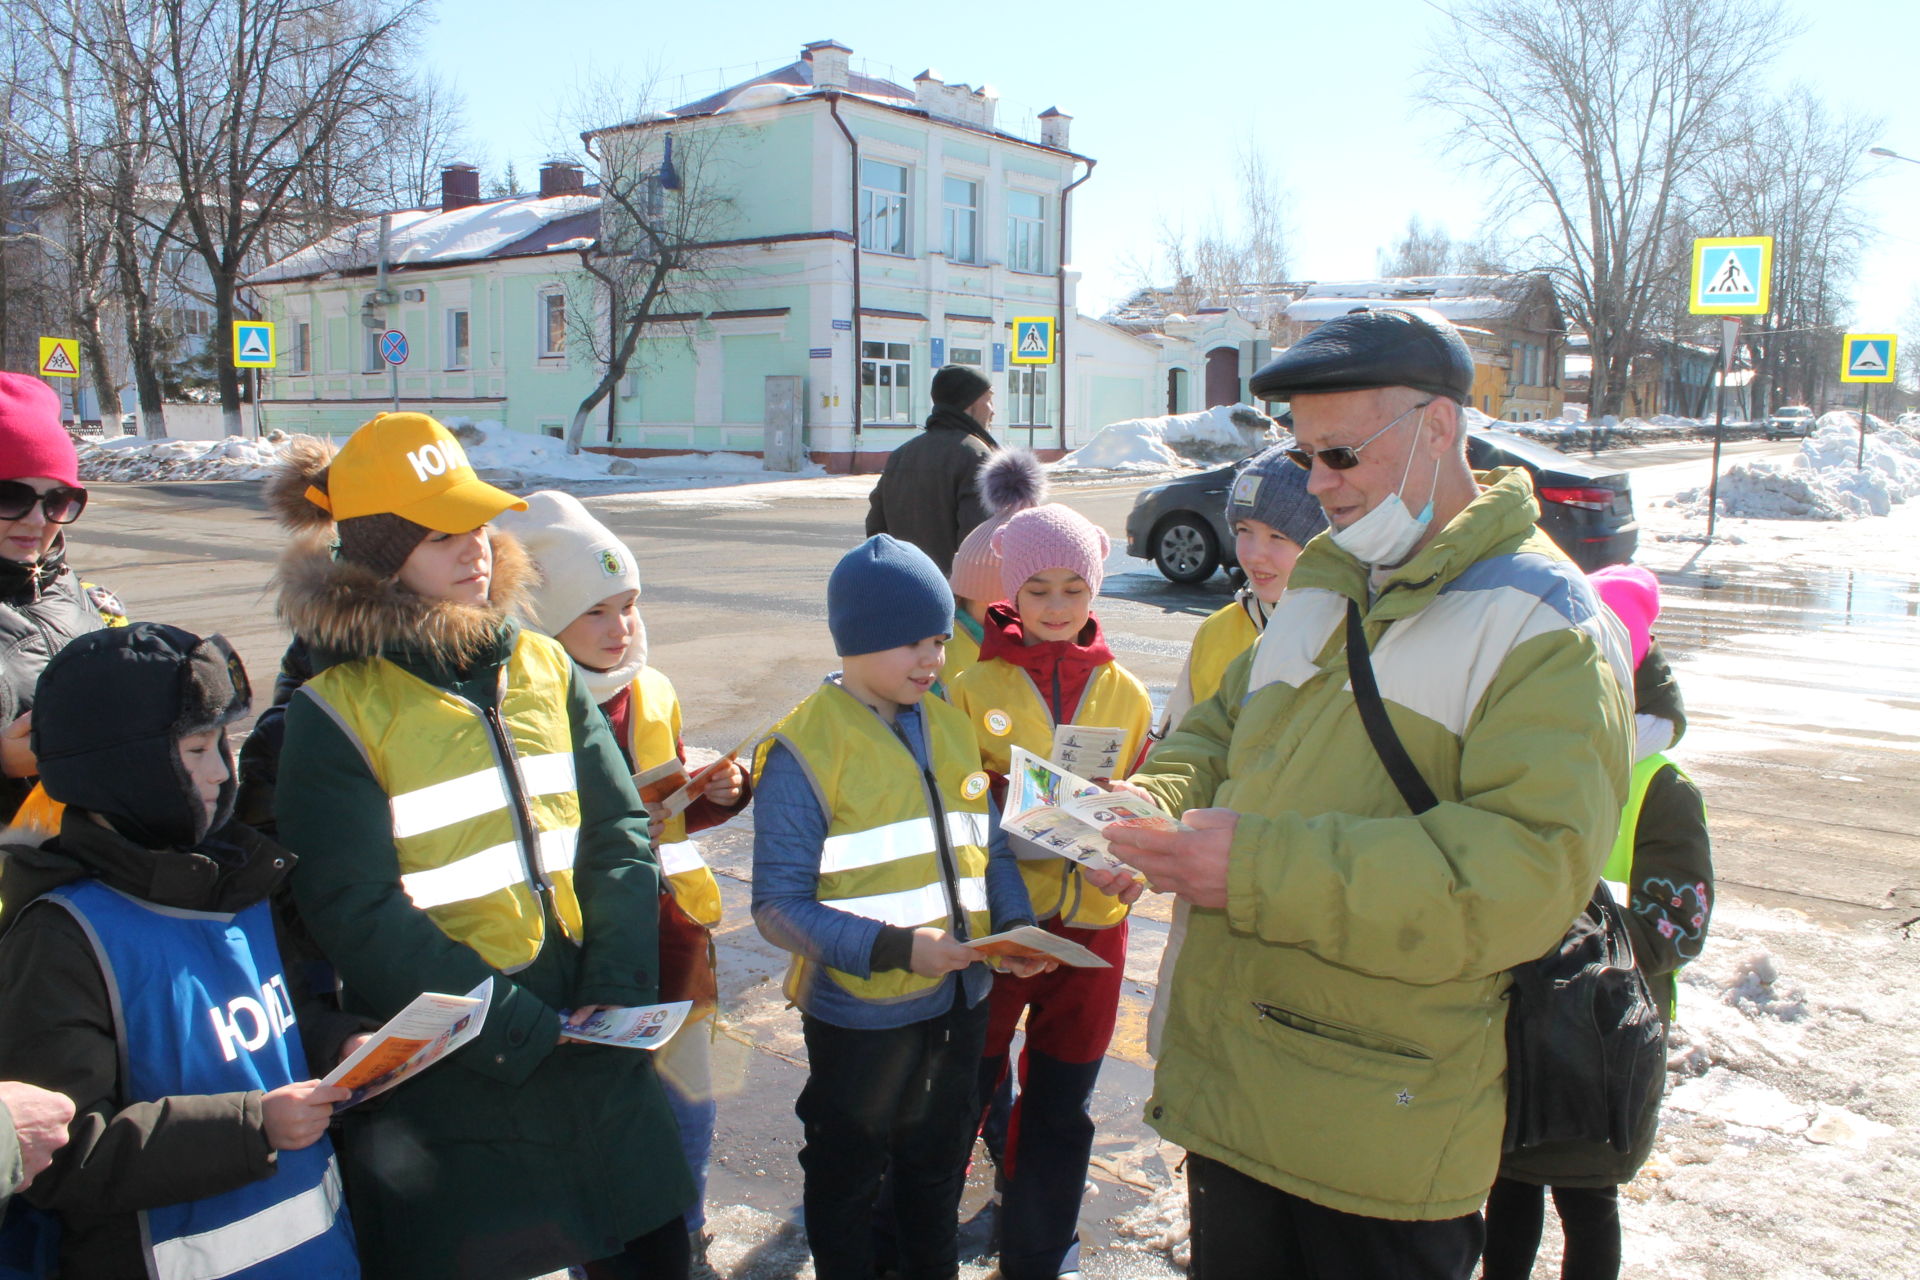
(408, 465)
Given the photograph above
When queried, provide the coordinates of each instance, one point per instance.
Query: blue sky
(1163, 95)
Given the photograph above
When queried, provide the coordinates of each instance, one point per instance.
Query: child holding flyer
(140, 975)
(1047, 682)
(588, 599)
(876, 860)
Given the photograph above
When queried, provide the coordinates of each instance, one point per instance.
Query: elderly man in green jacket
(1334, 1056)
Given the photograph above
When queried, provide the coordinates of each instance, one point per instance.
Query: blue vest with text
(200, 1007)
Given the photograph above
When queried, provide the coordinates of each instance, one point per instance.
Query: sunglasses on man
(1345, 457)
(62, 503)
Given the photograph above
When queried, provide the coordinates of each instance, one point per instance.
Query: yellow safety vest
(654, 740)
(1224, 636)
(461, 801)
(882, 858)
(963, 650)
(1006, 710)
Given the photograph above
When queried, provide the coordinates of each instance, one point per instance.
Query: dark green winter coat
(517, 1155)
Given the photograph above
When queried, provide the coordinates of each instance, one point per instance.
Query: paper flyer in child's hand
(1052, 813)
(428, 1029)
(677, 802)
(1034, 943)
(1088, 750)
(646, 1026)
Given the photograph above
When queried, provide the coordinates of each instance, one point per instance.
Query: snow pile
(1822, 482)
(132, 458)
(1224, 433)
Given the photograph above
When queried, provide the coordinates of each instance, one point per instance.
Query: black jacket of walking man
(929, 493)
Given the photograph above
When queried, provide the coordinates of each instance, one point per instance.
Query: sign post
(1732, 276)
(1867, 358)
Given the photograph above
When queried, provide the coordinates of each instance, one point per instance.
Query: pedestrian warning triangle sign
(1730, 278)
(59, 357)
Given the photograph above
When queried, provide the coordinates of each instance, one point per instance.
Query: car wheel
(1184, 549)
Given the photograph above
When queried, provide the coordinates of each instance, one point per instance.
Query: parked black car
(1587, 509)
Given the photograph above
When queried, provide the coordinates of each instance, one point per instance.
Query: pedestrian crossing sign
(59, 357)
(1032, 340)
(1869, 357)
(252, 344)
(1732, 275)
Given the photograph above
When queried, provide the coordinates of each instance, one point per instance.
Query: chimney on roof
(958, 102)
(829, 61)
(459, 186)
(560, 178)
(1053, 128)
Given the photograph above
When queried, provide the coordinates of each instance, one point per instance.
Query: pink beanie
(32, 440)
(1050, 537)
(1633, 593)
(1010, 481)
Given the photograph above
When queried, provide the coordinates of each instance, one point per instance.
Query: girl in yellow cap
(461, 811)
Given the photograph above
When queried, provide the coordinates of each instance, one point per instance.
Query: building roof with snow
(516, 226)
(1464, 300)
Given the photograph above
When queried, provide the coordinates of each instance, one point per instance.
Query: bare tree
(423, 133)
(1222, 264)
(1598, 114)
(1422, 251)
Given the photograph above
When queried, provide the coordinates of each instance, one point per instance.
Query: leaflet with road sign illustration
(1031, 942)
(428, 1029)
(1052, 813)
(645, 1026)
(1092, 751)
(669, 788)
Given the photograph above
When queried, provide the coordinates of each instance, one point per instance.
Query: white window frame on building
(1026, 233)
(301, 357)
(886, 384)
(960, 218)
(884, 210)
(972, 357)
(543, 324)
(459, 338)
(1027, 401)
(371, 360)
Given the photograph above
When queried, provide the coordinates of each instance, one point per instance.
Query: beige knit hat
(1010, 482)
(581, 561)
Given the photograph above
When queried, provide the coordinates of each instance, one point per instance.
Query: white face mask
(1387, 534)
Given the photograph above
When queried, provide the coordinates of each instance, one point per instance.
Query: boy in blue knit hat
(877, 857)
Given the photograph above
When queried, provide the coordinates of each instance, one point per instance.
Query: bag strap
(1373, 714)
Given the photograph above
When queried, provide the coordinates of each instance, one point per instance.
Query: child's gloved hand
(297, 1114)
(937, 952)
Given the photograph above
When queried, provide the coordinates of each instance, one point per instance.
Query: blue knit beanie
(884, 594)
(1272, 490)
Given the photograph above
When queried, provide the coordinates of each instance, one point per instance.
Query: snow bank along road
(1794, 1142)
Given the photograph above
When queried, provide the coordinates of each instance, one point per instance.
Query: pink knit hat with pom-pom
(1050, 537)
(1010, 482)
(1633, 593)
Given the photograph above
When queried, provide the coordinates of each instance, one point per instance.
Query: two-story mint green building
(869, 233)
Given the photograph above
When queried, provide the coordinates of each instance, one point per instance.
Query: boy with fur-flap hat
(1661, 872)
(1011, 481)
(588, 598)
(877, 856)
(43, 603)
(140, 975)
(1047, 681)
(462, 812)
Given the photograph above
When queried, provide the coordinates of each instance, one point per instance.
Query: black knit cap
(381, 542)
(108, 716)
(957, 387)
(1370, 348)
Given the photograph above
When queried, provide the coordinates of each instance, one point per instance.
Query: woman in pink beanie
(43, 603)
(1047, 681)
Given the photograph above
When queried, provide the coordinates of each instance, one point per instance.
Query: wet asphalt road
(1807, 811)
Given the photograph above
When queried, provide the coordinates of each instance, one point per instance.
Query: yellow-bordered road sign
(253, 344)
(59, 357)
(1032, 340)
(1869, 357)
(1732, 276)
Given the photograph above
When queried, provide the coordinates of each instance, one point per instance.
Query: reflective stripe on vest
(200, 1007)
(881, 858)
(653, 718)
(457, 830)
(1112, 699)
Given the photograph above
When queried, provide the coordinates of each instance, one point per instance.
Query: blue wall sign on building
(843, 324)
(999, 357)
(937, 352)
(820, 353)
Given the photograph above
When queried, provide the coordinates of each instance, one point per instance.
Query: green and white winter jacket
(1337, 1030)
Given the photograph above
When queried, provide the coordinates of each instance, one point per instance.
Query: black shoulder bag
(1586, 1045)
